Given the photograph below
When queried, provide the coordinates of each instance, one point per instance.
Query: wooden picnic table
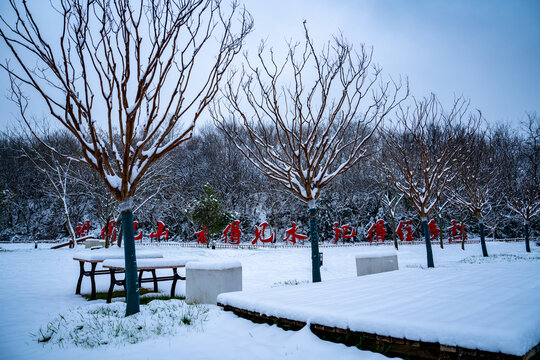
(94, 257)
(115, 266)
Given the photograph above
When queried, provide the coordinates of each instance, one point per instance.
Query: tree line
(491, 179)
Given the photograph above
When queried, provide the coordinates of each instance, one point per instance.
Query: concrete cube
(373, 263)
(206, 280)
(91, 243)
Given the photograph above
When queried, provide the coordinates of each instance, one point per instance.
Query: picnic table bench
(95, 257)
(115, 266)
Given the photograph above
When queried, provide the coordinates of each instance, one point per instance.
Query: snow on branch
(305, 132)
(126, 78)
(422, 149)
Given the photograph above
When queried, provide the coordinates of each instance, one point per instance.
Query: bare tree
(305, 120)
(392, 204)
(475, 180)
(57, 173)
(421, 153)
(127, 79)
(524, 190)
(441, 205)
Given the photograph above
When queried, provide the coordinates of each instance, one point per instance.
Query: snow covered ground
(38, 285)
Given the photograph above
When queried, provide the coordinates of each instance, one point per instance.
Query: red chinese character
(380, 232)
(235, 233)
(342, 231)
(259, 234)
(112, 232)
(370, 232)
(291, 233)
(161, 231)
(138, 237)
(82, 230)
(408, 229)
(433, 229)
(202, 235)
(457, 232)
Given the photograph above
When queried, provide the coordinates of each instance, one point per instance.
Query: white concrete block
(206, 280)
(91, 243)
(375, 263)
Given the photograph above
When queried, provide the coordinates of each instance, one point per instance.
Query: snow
(36, 295)
(213, 265)
(113, 253)
(130, 108)
(377, 253)
(498, 304)
(153, 262)
(114, 181)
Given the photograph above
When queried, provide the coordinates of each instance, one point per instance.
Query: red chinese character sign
(292, 234)
(260, 232)
(112, 232)
(202, 235)
(433, 229)
(81, 229)
(342, 232)
(408, 231)
(161, 232)
(232, 233)
(378, 229)
(457, 232)
(138, 237)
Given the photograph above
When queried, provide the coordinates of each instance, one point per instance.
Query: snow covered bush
(104, 324)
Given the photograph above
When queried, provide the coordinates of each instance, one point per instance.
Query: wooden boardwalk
(386, 345)
(487, 311)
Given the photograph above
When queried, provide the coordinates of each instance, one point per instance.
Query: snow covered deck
(487, 310)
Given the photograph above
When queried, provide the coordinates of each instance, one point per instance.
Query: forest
(207, 181)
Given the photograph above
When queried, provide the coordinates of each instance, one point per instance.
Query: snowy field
(39, 285)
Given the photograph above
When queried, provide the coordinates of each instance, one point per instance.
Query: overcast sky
(485, 50)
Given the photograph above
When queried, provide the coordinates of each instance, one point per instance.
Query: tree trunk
(119, 238)
(462, 232)
(441, 236)
(132, 280)
(394, 235)
(483, 239)
(429, 252)
(314, 234)
(68, 225)
(107, 243)
(527, 245)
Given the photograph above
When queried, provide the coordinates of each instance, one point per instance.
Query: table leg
(93, 280)
(81, 275)
(111, 287)
(155, 280)
(176, 277)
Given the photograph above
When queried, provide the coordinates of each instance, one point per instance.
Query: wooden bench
(95, 257)
(115, 266)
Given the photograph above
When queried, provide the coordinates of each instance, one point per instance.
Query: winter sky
(486, 50)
